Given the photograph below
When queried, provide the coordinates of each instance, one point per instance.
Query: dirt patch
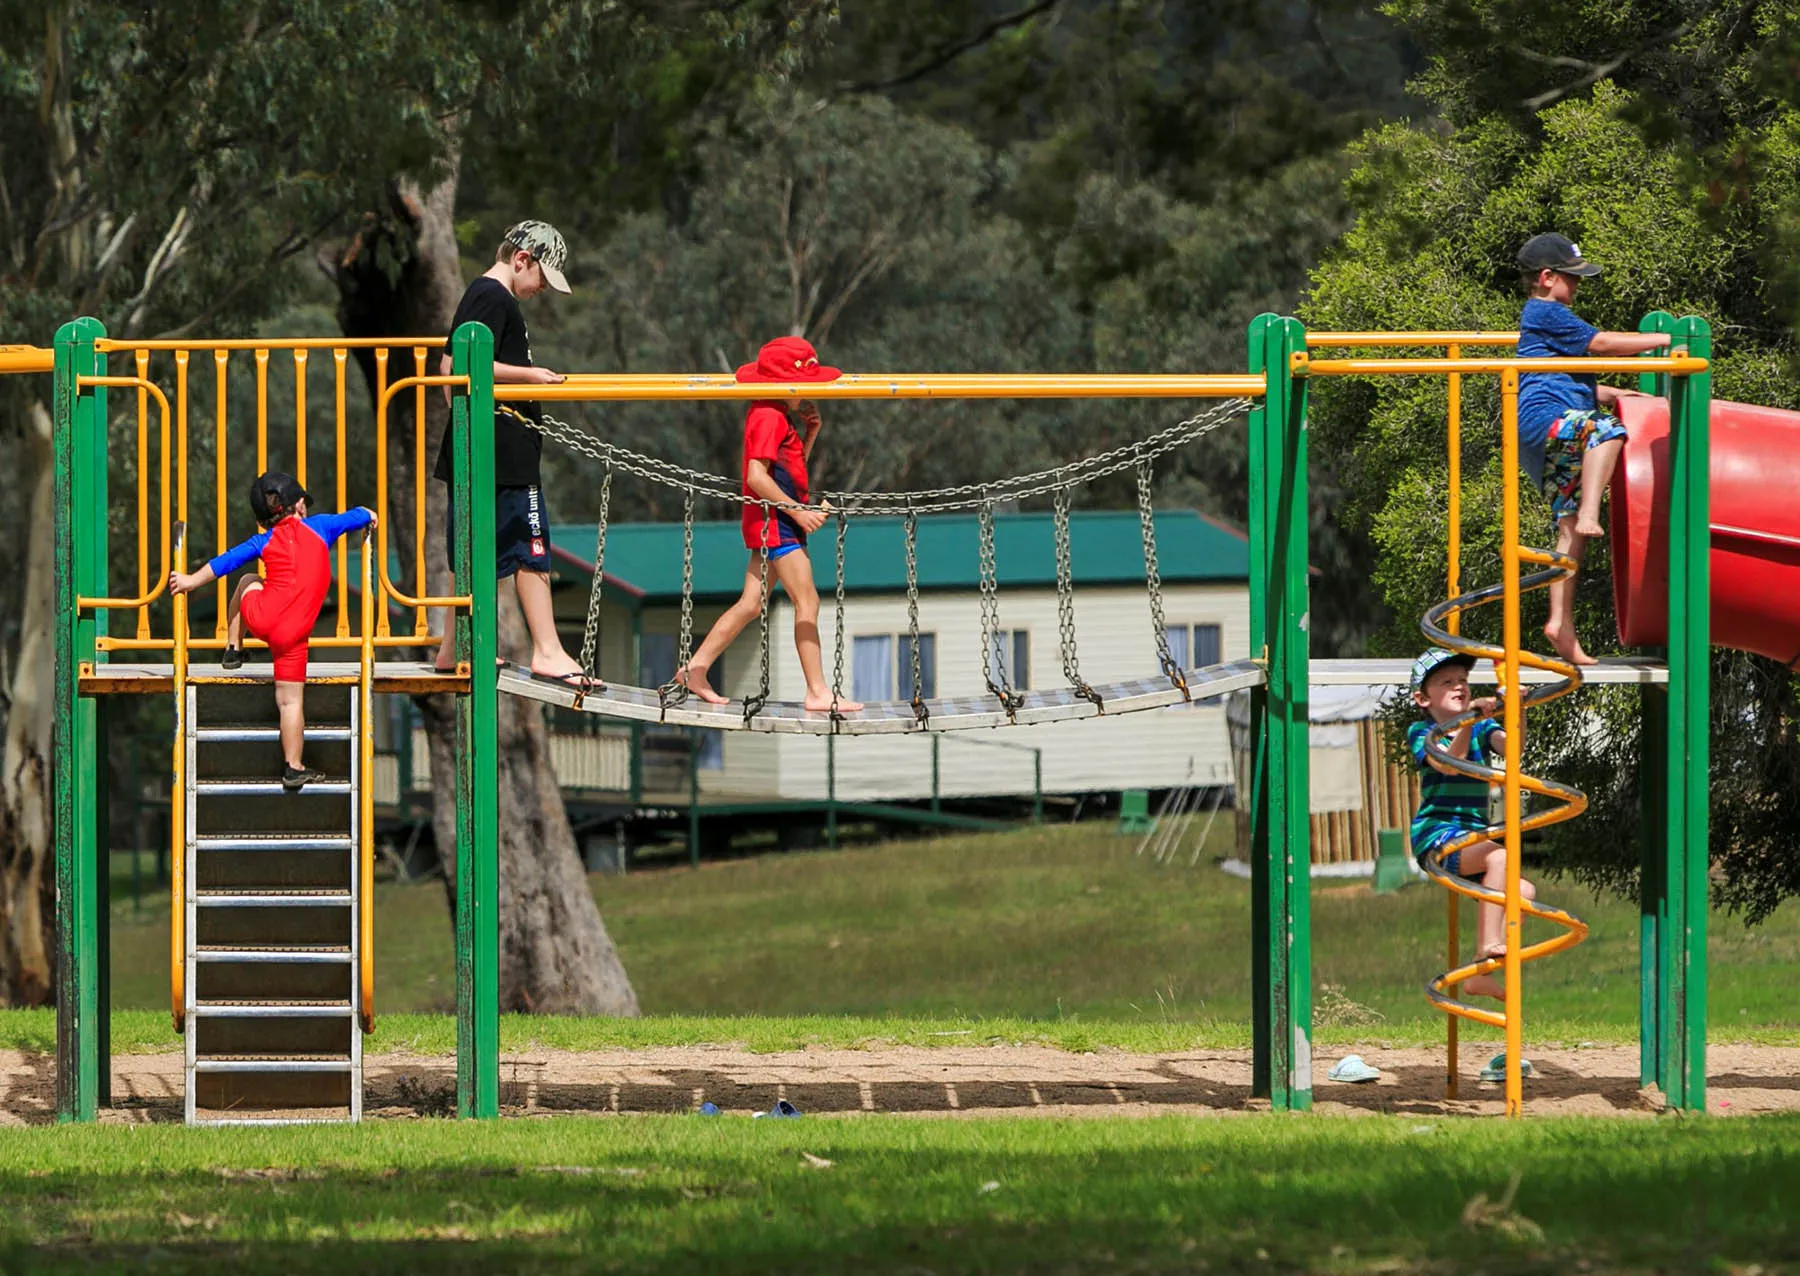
(953, 1080)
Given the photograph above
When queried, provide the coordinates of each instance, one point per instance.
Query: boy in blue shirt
(1453, 805)
(1568, 444)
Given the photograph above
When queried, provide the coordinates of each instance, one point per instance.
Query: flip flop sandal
(782, 1108)
(1496, 1068)
(1353, 1070)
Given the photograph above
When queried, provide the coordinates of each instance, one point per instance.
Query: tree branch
(945, 56)
(1594, 72)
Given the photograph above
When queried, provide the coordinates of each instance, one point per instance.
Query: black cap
(274, 495)
(1555, 252)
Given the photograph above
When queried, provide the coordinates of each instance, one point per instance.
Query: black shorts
(521, 531)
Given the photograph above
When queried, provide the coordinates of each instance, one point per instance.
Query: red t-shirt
(770, 436)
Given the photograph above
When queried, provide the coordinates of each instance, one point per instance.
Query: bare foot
(1590, 528)
(1568, 646)
(1484, 986)
(694, 679)
(822, 702)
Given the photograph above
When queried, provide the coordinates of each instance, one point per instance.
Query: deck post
(79, 459)
(1681, 974)
(1280, 834)
(477, 726)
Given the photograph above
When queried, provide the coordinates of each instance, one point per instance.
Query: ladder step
(259, 735)
(272, 1065)
(272, 899)
(273, 1009)
(338, 954)
(255, 788)
(343, 1120)
(272, 842)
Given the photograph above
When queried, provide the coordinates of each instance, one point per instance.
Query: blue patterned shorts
(1565, 448)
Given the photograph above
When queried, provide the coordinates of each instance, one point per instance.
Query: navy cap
(1555, 252)
(274, 495)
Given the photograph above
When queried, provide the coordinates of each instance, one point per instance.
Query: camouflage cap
(546, 247)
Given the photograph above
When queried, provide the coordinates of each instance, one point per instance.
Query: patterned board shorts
(1567, 443)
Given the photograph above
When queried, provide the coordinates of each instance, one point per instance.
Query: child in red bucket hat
(775, 455)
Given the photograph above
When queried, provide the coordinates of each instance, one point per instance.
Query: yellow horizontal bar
(1685, 366)
(1341, 339)
(885, 386)
(104, 643)
(108, 345)
(27, 359)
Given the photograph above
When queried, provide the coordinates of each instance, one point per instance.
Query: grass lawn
(1059, 934)
(894, 1195)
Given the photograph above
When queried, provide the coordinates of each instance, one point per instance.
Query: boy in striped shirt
(1453, 805)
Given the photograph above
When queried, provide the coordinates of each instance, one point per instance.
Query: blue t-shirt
(1449, 802)
(328, 526)
(1549, 329)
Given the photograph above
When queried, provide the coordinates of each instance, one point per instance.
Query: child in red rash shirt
(283, 607)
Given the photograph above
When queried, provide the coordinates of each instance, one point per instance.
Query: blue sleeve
(1563, 331)
(331, 526)
(235, 557)
(1479, 737)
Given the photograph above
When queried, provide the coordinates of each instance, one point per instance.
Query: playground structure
(247, 864)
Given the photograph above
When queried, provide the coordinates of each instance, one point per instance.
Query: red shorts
(285, 623)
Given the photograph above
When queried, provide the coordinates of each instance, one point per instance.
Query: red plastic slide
(1755, 528)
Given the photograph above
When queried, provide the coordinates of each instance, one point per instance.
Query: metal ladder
(272, 941)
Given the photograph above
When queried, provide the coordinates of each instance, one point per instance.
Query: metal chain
(837, 624)
(753, 704)
(1065, 603)
(921, 714)
(1153, 580)
(675, 690)
(591, 635)
(993, 660)
(939, 500)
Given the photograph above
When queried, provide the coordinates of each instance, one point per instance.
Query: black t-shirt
(517, 447)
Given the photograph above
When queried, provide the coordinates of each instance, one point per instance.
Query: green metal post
(1681, 988)
(477, 727)
(936, 799)
(637, 728)
(103, 712)
(1281, 855)
(1653, 781)
(79, 445)
(693, 738)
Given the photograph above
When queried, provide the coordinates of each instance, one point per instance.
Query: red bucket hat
(787, 359)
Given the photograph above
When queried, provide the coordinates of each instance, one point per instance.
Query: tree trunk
(555, 955)
(27, 826)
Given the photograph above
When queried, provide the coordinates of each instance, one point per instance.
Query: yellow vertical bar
(178, 809)
(365, 742)
(381, 490)
(300, 416)
(262, 411)
(182, 358)
(143, 398)
(1514, 722)
(340, 360)
(421, 622)
(221, 477)
(1453, 622)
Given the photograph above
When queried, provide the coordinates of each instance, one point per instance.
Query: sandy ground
(951, 1080)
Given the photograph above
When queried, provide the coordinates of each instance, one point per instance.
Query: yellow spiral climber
(1510, 659)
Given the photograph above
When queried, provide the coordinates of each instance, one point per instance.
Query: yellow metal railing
(169, 474)
(869, 385)
(365, 827)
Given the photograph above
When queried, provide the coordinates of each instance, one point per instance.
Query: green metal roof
(1106, 548)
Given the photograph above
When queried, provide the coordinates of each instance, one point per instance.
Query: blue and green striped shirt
(1449, 803)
